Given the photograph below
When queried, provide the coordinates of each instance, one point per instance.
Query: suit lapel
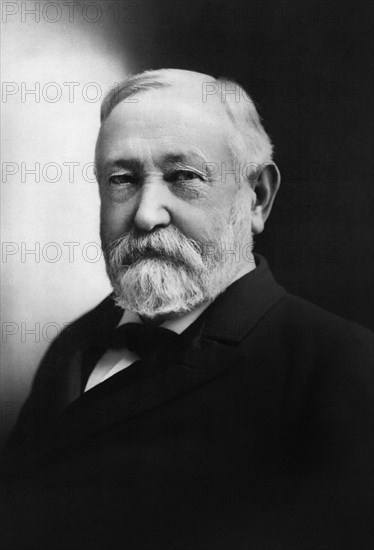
(113, 401)
(84, 349)
(211, 348)
(76, 373)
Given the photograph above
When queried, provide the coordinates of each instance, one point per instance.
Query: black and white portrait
(187, 267)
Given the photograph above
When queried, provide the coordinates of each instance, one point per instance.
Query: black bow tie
(144, 339)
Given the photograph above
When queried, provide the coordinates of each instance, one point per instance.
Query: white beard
(163, 274)
(156, 288)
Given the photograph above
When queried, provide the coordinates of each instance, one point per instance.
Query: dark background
(309, 67)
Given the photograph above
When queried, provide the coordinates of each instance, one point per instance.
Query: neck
(244, 268)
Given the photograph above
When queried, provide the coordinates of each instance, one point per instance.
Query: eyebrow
(168, 158)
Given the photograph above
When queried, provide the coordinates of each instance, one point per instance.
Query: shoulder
(304, 320)
(311, 342)
(99, 315)
(91, 325)
(322, 350)
(87, 330)
(53, 374)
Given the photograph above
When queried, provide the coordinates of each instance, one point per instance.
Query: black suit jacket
(254, 435)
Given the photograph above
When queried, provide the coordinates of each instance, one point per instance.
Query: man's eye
(121, 179)
(183, 175)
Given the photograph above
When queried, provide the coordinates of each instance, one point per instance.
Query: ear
(264, 187)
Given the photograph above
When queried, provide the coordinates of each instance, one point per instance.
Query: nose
(152, 209)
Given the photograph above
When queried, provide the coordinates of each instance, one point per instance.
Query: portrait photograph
(187, 306)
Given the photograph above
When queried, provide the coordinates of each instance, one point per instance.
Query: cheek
(115, 220)
(201, 225)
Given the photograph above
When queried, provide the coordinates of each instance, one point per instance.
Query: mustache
(167, 244)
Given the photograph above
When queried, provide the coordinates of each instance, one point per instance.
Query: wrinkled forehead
(166, 116)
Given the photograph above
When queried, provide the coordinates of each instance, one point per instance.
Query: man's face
(164, 169)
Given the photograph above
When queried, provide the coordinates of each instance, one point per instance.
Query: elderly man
(199, 406)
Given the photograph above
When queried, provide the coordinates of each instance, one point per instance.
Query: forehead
(163, 121)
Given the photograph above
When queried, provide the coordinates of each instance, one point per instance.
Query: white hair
(252, 147)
